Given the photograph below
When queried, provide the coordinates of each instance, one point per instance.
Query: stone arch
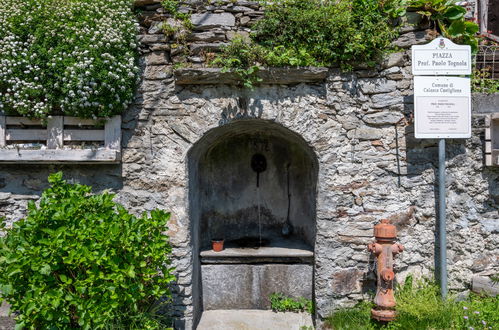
(224, 199)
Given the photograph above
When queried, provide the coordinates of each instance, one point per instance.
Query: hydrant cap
(385, 230)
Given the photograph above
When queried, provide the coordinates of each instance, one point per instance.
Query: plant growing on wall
(74, 57)
(314, 33)
(448, 19)
(81, 260)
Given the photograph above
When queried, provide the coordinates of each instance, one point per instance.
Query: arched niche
(234, 197)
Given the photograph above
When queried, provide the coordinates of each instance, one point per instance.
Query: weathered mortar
(358, 125)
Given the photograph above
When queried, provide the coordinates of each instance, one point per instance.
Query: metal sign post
(442, 234)
(442, 107)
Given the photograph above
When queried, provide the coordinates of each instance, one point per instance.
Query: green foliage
(355, 318)
(172, 7)
(394, 8)
(74, 57)
(180, 27)
(448, 18)
(478, 312)
(240, 58)
(332, 32)
(316, 33)
(420, 306)
(481, 82)
(281, 303)
(81, 260)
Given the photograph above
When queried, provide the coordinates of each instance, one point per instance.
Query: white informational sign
(441, 57)
(442, 107)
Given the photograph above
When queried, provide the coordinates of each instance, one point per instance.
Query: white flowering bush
(71, 57)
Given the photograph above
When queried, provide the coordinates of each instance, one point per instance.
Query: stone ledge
(280, 76)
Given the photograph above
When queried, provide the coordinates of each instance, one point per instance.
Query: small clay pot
(217, 245)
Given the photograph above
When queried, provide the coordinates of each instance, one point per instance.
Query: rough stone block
(151, 39)
(157, 72)
(376, 85)
(386, 100)
(411, 38)
(211, 47)
(208, 20)
(239, 9)
(208, 36)
(156, 58)
(366, 133)
(346, 281)
(383, 118)
(393, 59)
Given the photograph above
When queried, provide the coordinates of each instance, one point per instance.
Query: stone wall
(358, 124)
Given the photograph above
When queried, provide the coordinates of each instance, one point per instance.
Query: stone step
(251, 319)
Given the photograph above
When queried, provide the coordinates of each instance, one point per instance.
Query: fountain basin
(243, 276)
(248, 286)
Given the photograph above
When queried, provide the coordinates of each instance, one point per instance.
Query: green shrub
(332, 32)
(73, 57)
(81, 260)
(316, 33)
(281, 303)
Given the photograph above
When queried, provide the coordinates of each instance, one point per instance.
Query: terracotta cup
(217, 245)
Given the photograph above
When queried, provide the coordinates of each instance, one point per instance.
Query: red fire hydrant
(385, 249)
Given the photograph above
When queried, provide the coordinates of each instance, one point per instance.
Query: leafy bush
(316, 33)
(332, 32)
(281, 303)
(420, 306)
(81, 260)
(74, 57)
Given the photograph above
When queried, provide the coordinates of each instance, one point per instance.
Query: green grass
(420, 306)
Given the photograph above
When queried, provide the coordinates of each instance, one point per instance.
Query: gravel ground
(6, 323)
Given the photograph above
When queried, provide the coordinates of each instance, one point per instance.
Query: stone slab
(210, 20)
(377, 85)
(280, 76)
(253, 320)
(295, 250)
(243, 286)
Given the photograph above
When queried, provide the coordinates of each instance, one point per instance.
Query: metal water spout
(385, 249)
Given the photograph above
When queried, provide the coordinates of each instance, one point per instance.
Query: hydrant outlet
(387, 274)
